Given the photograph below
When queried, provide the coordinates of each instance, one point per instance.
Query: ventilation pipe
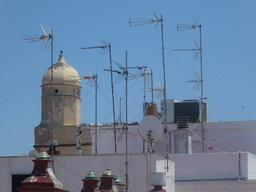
(158, 180)
(182, 136)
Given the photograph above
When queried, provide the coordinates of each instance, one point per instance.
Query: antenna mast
(47, 43)
(128, 76)
(181, 27)
(147, 76)
(143, 21)
(92, 81)
(104, 47)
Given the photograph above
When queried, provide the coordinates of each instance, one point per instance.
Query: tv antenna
(92, 79)
(143, 21)
(46, 38)
(104, 47)
(145, 73)
(47, 43)
(123, 72)
(142, 72)
(92, 82)
(198, 49)
(148, 75)
(181, 27)
(159, 90)
(197, 82)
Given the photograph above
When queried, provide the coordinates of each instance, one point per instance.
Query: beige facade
(66, 105)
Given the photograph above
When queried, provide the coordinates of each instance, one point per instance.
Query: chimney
(182, 136)
(108, 182)
(151, 109)
(120, 185)
(158, 180)
(90, 182)
(42, 177)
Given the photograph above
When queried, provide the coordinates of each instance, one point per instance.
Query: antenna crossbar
(95, 47)
(125, 71)
(184, 50)
(181, 27)
(160, 90)
(48, 34)
(144, 21)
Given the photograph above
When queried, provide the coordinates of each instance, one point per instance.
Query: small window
(16, 181)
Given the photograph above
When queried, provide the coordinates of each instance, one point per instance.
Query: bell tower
(66, 110)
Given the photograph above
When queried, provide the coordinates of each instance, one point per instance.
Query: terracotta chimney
(90, 182)
(108, 182)
(120, 185)
(42, 177)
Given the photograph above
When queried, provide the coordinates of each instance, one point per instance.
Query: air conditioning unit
(191, 108)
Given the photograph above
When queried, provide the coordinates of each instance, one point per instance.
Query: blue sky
(229, 46)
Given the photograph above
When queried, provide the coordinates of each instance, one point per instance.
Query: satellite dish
(33, 153)
(151, 124)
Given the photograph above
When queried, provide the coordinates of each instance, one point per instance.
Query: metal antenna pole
(120, 111)
(139, 21)
(149, 159)
(113, 97)
(202, 91)
(103, 47)
(144, 97)
(152, 94)
(126, 120)
(165, 104)
(125, 73)
(92, 81)
(47, 42)
(96, 115)
(52, 131)
(147, 75)
(181, 27)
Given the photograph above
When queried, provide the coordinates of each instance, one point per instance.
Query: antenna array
(121, 74)
(159, 90)
(200, 81)
(144, 21)
(157, 20)
(45, 38)
(47, 43)
(104, 47)
(92, 81)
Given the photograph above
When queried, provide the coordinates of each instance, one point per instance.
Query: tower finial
(61, 52)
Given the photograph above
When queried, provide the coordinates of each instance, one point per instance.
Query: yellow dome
(63, 74)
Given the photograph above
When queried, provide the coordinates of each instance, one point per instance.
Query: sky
(228, 58)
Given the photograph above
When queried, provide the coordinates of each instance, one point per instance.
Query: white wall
(70, 170)
(216, 186)
(11, 166)
(225, 137)
(251, 166)
(222, 136)
(214, 166)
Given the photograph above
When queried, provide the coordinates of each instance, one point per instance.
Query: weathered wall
(70, 170)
